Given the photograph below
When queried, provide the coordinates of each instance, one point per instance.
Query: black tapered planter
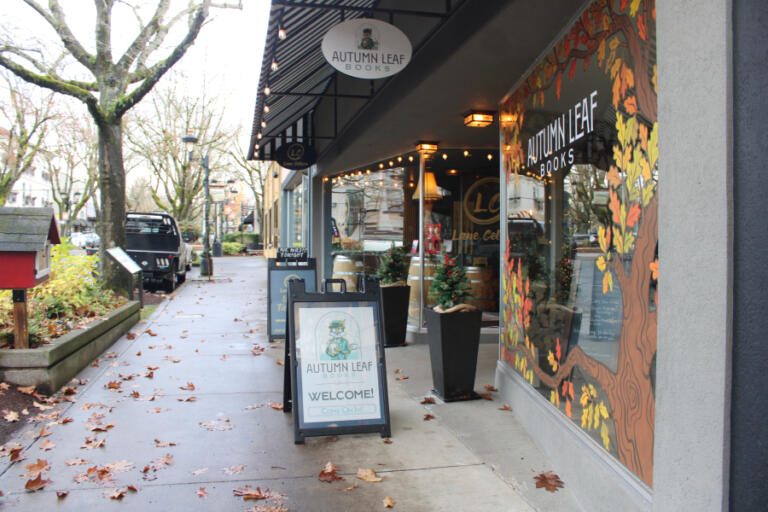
(394, 300)
(454, 340)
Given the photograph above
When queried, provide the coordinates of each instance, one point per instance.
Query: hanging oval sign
(295, 155)
(367, 48)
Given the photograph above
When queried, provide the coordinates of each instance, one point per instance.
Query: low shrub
(243, 238)
(232, 248)
(71, 297)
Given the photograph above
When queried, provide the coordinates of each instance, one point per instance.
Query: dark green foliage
(392, 266)
(243, 238)
(451, 284)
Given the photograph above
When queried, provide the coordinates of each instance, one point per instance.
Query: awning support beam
(305, 5)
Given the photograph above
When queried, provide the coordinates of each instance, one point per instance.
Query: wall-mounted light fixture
(427, 147)
(478, 119)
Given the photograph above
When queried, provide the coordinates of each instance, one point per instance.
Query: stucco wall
(695, 282)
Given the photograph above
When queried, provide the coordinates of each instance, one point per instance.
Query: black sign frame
(279, 269)
(298, 297)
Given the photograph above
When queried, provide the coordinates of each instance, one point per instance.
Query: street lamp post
(206, 261)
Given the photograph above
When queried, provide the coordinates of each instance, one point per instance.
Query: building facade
(609, 212)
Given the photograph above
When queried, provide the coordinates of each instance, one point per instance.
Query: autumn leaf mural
(616, 40)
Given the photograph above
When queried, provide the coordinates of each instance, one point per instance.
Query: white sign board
(336, 347)
(367, 48)
(123, 259)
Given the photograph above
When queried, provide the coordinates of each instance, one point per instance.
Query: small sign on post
(335, 360)
(130, 266)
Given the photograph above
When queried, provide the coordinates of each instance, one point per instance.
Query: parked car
(84, 240)
(155, 243)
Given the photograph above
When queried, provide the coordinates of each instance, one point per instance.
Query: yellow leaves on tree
(594, 413)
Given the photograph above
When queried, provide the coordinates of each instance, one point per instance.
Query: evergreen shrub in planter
(453, 331)
(392, 273)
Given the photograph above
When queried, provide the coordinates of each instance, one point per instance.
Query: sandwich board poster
(279, 274)
(337, 369)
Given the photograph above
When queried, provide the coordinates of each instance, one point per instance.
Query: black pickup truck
(154, 242)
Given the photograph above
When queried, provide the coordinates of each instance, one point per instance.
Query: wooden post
(20, 330)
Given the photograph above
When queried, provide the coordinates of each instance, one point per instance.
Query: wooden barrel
(482, 289)
(413, 282)
(347, 268)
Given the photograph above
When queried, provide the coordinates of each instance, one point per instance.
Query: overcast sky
(226, 56)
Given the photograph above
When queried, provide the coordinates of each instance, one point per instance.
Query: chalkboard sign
(335, 357)
(279, 273)
(292, 253)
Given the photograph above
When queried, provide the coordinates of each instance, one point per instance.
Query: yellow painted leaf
(645, 168)
(618, 240)
(620, 126)
(653, 146)
(552, 361)
(623, 215)
(633, 7)
(584, 418)
(601, 53)
(603, 410)
(595, 417)
(604, 435)
(607, 282)
(592, 391)
(601, 238)
(629, 240)
(601, 263)
(584, 398)
(648, 191)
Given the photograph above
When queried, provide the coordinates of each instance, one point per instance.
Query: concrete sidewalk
(471, 457)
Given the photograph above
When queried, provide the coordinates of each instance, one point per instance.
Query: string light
(399, 159)
(490, 156)
(274, 66)
(266, 109)
(466, 153)
(258, 135)
(263, 124)
(281, 34)
(410, 158)
(445, 156)
(267, 90)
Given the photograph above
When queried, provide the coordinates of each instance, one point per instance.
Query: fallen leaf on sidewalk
(388, 502)
(189, 387)
(368, 475)
(190, 398)
(199, 471)
(387, 440)
(276, 406)
(428, 417)
(36, 483)
(249, 493)
(402, 377)
(119, 466)
(505, 408)
(163, 444)
(130, 335)
(62, 494)
(398, 370)
(115, 384)
(488, 387)
(156, 410)
(201, 493)
(47, 445)
(218, 424)
(486, 396)
(549, 481)
(10, 416)
(234, 470)
(75, 462)
(347, 489)
(44, 432)
(280, 362)
(117, 494)
(35, 469)
(149, 331)
(93, 442)
(27, 390)
(328, 473)
(428, 400)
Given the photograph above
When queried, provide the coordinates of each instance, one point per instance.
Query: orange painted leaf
(613, 176)
(559, 84)
(572, 70)
(633, 215)
(630, 105)
(615, 207)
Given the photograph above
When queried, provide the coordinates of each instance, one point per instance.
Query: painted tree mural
(620, 36)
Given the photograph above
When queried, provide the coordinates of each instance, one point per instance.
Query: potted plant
(392, 273)
(453, 331)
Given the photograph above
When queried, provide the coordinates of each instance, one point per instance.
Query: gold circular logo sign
(481, 201)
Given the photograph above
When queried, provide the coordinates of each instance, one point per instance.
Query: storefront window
(580, 163)
(374, 208)
(298, 224)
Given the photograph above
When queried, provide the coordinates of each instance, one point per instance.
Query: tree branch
(135, 49)
(55, 19)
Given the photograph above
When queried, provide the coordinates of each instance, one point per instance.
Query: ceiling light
(477, 119)
(426, 146)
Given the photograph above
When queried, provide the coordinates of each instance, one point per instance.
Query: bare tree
(113, 85)
(73, 166)
(177, 179)
(139, 196)
(252, 174)
(26, 121)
